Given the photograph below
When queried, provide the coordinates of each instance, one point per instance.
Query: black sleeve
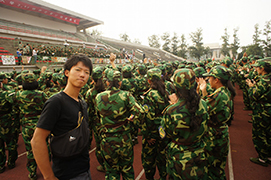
(50, 113)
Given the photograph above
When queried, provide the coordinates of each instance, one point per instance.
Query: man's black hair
(78, 58)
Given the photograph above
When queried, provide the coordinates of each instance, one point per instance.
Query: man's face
(212, 82)
(78, 75)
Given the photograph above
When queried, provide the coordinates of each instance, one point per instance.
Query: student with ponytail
(185, 124)
(219, 106)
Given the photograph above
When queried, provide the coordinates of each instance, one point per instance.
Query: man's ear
(66, 72)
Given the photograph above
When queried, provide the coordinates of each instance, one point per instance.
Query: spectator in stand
(34, 55)
(19, 55)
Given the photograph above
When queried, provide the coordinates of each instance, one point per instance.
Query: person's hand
(151, 141)
(43, 69)
(173, 98)
(202, 84)
(112, 57)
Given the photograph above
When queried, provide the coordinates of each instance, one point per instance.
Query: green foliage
(256, 36)
(267, 41)
(235, 45)
(125, 37)
(254, 49)
(137, 41)
(167, 41)
(197, 50)
(225, 45)
(154, 41)
(174, 44)
(182, 48)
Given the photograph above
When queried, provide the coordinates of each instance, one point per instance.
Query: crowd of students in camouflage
(182, 110)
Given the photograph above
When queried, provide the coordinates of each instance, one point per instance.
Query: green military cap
(154, 73)
(199, 71)
(141, 67)
(3, 76)
(127, 68)
(48, 74)
(219, 72)
(256, 57)
(244, 59)
(25, 71)
(184, 78)
(262, 62)
(36, 71)
(201, 63)
(227, 61)
(168, 67)
(175, 64)
(181, 66)
(209, 60)
(28, 77)
(97, 72)
(57, 70)
(114, 75)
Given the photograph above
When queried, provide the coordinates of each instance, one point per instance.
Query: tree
(197, 50)
(174, 44)
(125, 37)
(267, 41)
(182, 48)
(256, 36)
(94, 32)
(165, 38)
(255, 48)
(137, 41)
(235, 45)
(225, 45)
(154, 41)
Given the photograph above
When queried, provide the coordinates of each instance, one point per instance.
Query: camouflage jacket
(153, 104)
(176, 124)
(115, 107)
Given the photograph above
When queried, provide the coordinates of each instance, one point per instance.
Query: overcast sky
(140, 19)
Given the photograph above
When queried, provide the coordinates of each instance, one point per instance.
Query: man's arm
(41, 155)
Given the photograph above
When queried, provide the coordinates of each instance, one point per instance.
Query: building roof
(52, 12)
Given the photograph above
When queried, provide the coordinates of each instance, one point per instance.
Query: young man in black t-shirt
(60, 114)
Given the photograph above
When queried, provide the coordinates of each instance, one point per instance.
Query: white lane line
(92, 150)
(231, 176)
(140, 175)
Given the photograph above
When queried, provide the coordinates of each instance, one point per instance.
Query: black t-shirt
(60, 115)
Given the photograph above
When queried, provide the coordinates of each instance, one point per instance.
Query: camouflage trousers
(118, 153)
(98, 151)
(261, 135)
(8, 139)
(246, 98)
(27, 133)
(152, 156)
(190, 164)
(217, 148)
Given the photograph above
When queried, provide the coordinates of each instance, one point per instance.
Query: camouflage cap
(3, 76)
(97, 72)
(199, 71)
(48, 74)
(219, 72)
(181, 66)
(168, 67)
(227, 61)
(141, 67)
(184, 78)
(28, 77)
(127, 68)
(114, 75)
(154, 73)
(244, 59)
(262, 62)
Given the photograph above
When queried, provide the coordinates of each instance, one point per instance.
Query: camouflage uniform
(142, 83)
(94, 121)
(117, 110)
(261, 95)
(186, 157)
(219, 108)
(7, 129)
(29, 103)
(153, 154)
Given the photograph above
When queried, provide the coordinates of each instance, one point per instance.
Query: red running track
(238, 167)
